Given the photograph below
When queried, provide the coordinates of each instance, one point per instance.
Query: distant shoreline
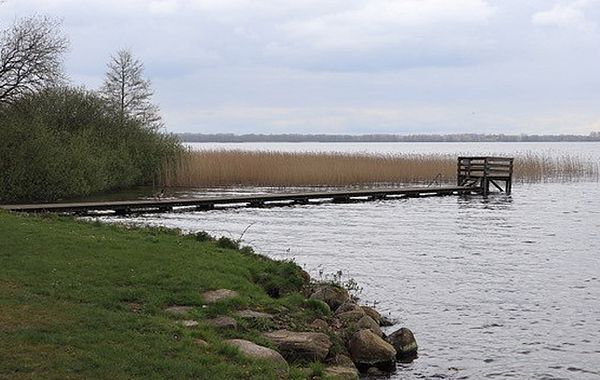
(386, 138)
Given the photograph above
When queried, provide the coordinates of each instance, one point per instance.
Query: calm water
(504, 287)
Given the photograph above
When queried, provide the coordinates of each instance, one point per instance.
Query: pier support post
(122, 211)
(485, 172)
(377, 197)
(341, 199)
(256, 204)
(205, 207)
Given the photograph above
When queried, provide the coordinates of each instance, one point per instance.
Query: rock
(213, 296)
(341, 373)
(342, 361)
(368, 350)
(345, 333)
(386, 322)
(351, 316)
(188, 323)
(319, 324)
(375, 372)
(251, 314)
(322, 306)
(300, 345)
(254, 351)
(332, 295)
(305, 277)
(223, 322)
(347, 306)
(372, 313)
(404, 342)
(178, 310)
(367, 322)
(200, 343)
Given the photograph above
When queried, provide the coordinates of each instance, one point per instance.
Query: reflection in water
(493, 288)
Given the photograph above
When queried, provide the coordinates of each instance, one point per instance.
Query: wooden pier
(485, 171)
(475, 174)
(208, 203)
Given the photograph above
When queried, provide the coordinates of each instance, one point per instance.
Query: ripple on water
(513, 276)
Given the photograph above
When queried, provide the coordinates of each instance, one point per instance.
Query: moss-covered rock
(332, 295)
(368, 350)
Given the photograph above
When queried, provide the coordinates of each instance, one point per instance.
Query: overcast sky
(347, 66)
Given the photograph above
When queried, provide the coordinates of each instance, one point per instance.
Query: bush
(67, 142)
(227, 243)
(281, 278)
(318, 306)
(203, 236)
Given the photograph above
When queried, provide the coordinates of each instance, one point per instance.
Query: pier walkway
(474, 176)
(208, 203)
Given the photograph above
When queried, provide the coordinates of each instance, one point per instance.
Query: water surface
(498, 287)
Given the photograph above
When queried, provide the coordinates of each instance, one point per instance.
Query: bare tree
(125, 87)
(31, 57)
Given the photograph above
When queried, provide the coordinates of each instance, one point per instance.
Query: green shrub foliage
(227, 243)
(67, 142)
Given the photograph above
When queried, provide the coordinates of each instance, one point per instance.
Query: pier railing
(485, 171)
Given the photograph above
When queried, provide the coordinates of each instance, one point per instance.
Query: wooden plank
(496, 185)
(210, 202)
(494, 158)
(485, 170)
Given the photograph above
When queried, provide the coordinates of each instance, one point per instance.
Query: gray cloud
(353, 66)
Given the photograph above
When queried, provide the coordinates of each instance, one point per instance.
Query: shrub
(227, 243)
(67, 142)
(203, 236)
(320, 307)
(281, 278)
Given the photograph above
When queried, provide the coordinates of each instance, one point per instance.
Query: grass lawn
(87, 300)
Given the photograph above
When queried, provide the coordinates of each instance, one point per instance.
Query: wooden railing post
(485, 172)
(485, 182)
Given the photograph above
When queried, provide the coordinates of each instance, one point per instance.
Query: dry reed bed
(233, 167)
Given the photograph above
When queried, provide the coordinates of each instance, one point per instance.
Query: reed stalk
(215, 168)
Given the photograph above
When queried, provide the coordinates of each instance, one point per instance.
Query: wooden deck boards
(203, 203)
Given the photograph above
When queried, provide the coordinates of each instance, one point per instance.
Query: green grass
(86, 300)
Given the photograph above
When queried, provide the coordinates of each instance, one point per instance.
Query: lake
(497, 287)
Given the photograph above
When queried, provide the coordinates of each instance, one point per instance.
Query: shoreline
(194, 296)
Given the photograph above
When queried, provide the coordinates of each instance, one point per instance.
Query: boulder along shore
(109, 300)
(347, 338)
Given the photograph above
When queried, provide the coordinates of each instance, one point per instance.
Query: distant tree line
(462, 137)
(59, 140)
